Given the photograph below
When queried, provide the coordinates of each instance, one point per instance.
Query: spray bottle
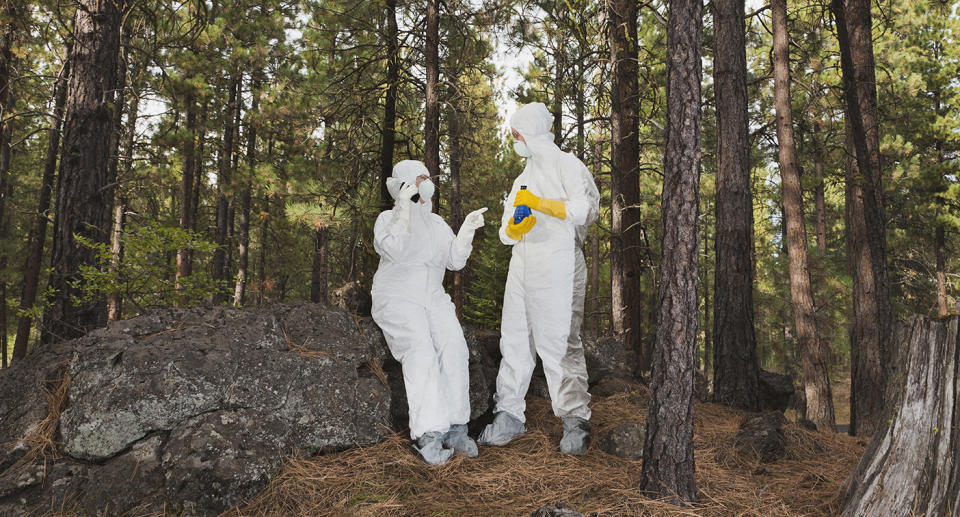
(522, 211)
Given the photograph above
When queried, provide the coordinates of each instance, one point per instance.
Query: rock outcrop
(625, 440)
(776, 391)
(195, 409)
(761, 437)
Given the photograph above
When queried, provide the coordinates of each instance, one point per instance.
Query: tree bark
(115, 299)
(388, 135)
(184, 262)
(83, 193)
(941, 252)
(6, 192)
(593, 301)
(431, 126)
(708, 338)
(262, 260)
(819, 194)
(736, 368)
(243, 249)
(814, 356)
(38, 235)
(318, 276)
(200, 173)
(456, 208)
(668, 462)
(870, 346)
(866, 364)
(225, 165)
(912, 465)
(625, 267)
(558, 92)
(11, 31)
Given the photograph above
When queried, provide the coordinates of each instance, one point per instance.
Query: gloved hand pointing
(469, 227)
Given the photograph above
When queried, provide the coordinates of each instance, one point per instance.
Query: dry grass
(41, 439)
(387, 479)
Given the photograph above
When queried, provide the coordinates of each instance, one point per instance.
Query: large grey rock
(139, 471)
(352, 298)
(608, 357)
(612, 386)
(624, 440)
(761, 436)
(216, 460)
(193, 409)
(776, 391)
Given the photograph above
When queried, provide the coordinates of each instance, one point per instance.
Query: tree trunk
(912, 465)
(736, 368)
(593, 301)
(200, 174)
(225, 165)
(941, 253)
(580, 108)
(668, 463)
(184, 262)
(388, 136)
(870, 347)
(625, 267)
(318, 276)
(6, 192)
(814, 356)
(558, 92)
(866, 364)
(38, 236)
(456, 210)
(431, 126)
(262, 260)
(819, 194)
(243, 249)
(115, 299)
(83, 193)
(708, 340)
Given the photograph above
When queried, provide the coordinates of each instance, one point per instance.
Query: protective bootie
(576, 435)
(503, 429)
(430, 448)
(457, 439)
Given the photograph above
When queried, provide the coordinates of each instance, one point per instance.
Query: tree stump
(912, 466)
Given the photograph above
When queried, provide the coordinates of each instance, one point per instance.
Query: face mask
(521, 149)
(426, 189)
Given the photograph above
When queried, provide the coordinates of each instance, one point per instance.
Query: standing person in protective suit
(417, 317)
(545, 219)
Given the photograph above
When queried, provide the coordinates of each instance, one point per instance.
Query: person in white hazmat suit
(417, 317)
(545, 219)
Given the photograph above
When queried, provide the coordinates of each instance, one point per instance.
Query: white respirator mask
(426, 189)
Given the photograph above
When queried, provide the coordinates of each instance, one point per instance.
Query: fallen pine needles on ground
(387, 479)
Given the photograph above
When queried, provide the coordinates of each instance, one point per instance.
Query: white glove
(404, 203)
(469, 227)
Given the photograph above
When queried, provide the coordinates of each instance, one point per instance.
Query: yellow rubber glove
(517, 231)
(557, 209)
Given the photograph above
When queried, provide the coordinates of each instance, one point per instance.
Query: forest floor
(387, 479)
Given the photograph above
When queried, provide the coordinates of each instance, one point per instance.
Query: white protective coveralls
(418, 319)
(544, 295)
